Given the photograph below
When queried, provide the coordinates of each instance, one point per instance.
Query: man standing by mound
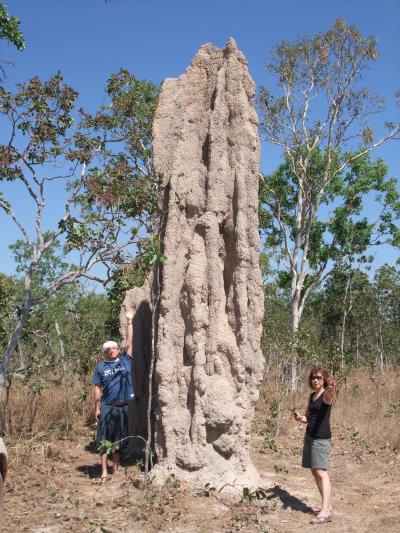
(112, 380)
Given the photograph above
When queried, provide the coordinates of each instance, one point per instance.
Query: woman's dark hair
(321, 370)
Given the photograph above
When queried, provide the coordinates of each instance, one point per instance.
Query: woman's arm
(301, 418)
(329, 393)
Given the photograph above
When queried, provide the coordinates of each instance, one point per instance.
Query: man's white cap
(109, 344)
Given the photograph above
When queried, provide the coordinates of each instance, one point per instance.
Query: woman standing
(317, 440)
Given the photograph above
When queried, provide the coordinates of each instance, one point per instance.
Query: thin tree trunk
(147, 453)
(155, 300)
(346, 311)
(295, 327)
(33, 413)
(14, 339)
(380, 348)
(62, 351)
(357, 347)
(6, 412)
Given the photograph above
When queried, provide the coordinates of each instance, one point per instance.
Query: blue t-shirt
(115, 379)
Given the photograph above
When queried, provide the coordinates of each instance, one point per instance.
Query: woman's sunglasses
(317, 377)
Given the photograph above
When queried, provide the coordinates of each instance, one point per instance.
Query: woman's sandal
(321, 520)
(101, 480)
(317, 510)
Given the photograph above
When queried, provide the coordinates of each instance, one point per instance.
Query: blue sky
(89, 39)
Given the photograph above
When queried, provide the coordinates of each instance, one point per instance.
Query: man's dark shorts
(113, 424)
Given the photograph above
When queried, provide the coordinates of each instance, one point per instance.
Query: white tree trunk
(295, 327)
(62, 350)
(15, 336)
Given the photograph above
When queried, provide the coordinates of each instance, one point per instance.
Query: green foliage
(108, 447)
(269, 443)
(352, 433)
(253, 494)
(51, 266)
(9, 29)
(79, 315)
(115, 195)
(366, 342)
(173, 482)
(84, 331)
(111, 209)
(44, 117)
(312, 207)
(10, 297)
(328, 65)
(126, 175)
(123, 279)
(150, 253)
(393, 409)
(345, 233)
(378, 298)
(280, 469)
(134, 275)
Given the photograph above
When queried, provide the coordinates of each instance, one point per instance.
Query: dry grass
(56, 408)
(367, 408)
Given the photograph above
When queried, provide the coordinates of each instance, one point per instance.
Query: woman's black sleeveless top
(318, 426)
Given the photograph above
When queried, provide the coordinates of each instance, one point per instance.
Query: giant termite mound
(208, 363)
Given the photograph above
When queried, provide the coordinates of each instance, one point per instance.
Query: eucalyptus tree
(96, 173)
(311, 207)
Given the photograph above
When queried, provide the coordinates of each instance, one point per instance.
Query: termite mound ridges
(204, 302)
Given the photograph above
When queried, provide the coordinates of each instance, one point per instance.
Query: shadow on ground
(91, 471)
(288, 501)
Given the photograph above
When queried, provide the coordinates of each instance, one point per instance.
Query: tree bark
(357, 347)
(295, 328)
(380, 349)
(6, 412)
(15, 335)
(346, 311)
(62, 350)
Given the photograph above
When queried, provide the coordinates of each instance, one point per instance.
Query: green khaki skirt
(316, 453)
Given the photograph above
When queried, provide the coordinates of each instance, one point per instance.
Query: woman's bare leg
(317, 481)
(324, 487)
